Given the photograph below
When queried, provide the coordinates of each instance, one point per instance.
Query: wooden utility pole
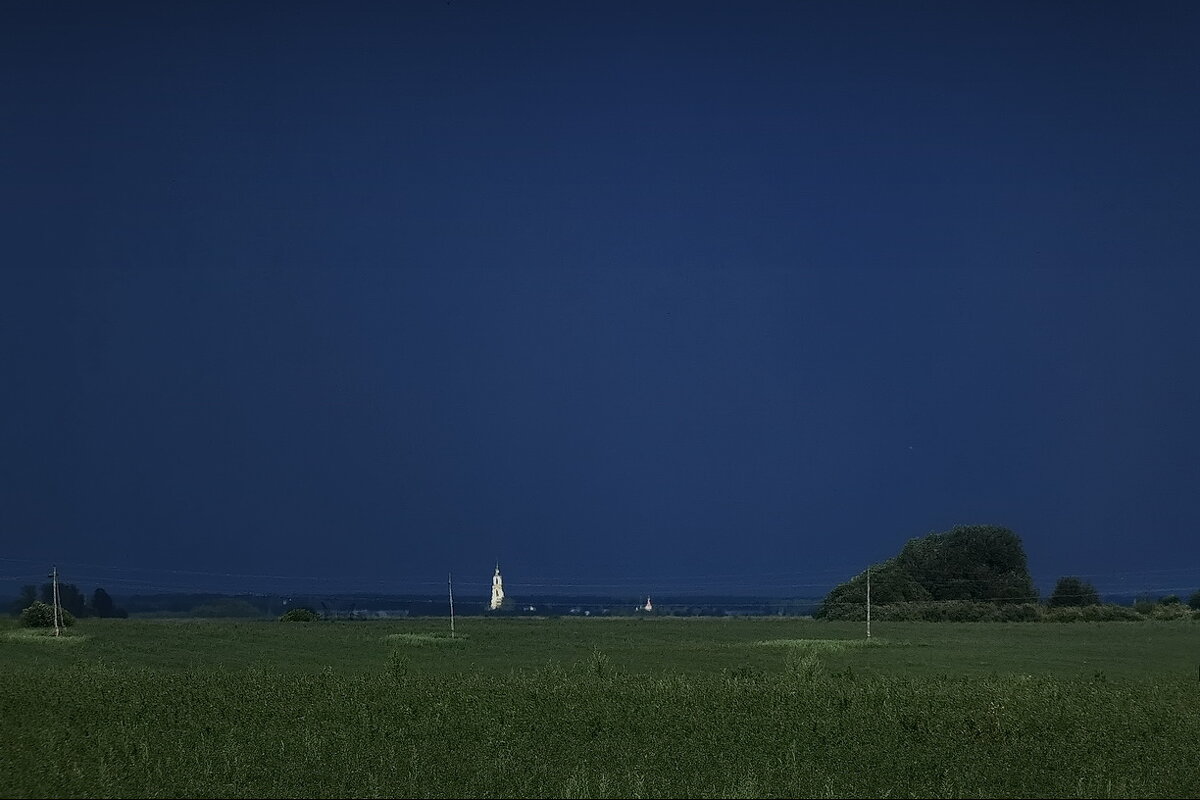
(868, 602)
(450, 581)
(54, 597)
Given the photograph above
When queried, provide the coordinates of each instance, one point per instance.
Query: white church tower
(497, 590)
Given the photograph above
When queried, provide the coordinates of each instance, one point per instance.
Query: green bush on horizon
(1073, 591)
(41, 615)
(969, 563)
(299, 615)
(964, 611)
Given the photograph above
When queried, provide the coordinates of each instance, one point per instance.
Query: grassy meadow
(668, 707)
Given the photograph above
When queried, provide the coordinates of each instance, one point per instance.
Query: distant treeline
(977, 573)
(370, 606)
(374, 606)
(970, 611)
(971, 572)
(71, 598)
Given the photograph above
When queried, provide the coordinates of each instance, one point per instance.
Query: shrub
(1101, 613)
(1109, 612)
(934, 611)
(1144, 606)
(1020, 612)
(40, 615)
(1171, 611)
(1064, 614)
(1194, 600)
(299, 615)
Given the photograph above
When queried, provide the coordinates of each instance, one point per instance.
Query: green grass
(602, 708)
(44, 635)
(827, 645)
(422, 639)
(691, 645)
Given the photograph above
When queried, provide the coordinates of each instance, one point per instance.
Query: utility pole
(450, 581)
(868, 602)
(54, 596)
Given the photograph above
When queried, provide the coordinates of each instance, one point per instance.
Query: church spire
(497, 590)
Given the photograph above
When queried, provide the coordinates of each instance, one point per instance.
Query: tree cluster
(72, 600)
(1072, 591)
(974, 563)
(978, 572)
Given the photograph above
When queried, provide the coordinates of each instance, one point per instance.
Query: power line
(134, 578)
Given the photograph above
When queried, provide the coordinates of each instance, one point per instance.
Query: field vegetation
(600, 708)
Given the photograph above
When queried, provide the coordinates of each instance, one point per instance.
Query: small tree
(69, 598)
(40, 615)
(28, 597)
(1170, 600)
(103, 605)
(1071, 591)
(1194, 600)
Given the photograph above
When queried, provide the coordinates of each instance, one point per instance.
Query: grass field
(740, 707)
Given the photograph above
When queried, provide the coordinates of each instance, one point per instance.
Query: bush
(1171, 611)
(964, 611)
(1101, 613)
(1020, 612)
(1064, 614)
(1144, 606)
(40, 615)
(1194, 600)
(933, 611)
(1109, 612)
(299, 615)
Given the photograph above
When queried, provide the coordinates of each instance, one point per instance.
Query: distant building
(497, 590)
(647, 607)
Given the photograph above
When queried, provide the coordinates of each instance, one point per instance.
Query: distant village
(362, 606)
(498, 602)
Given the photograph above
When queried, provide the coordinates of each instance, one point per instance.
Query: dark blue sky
(645, 296)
